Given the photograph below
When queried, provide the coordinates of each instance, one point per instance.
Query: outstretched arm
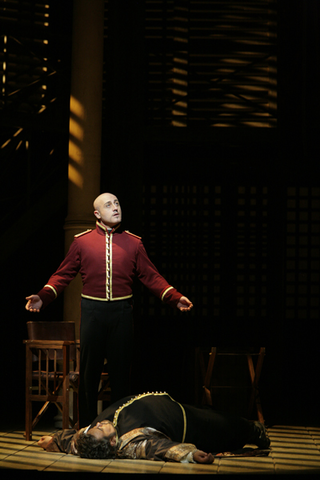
(149, 444)
(34, 303)
(62, 441)
(48, 444)
(184, 304)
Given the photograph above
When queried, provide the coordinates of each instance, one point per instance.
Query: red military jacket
(108, 263)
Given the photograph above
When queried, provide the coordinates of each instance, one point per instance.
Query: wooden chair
(52, 370)
(205, 374)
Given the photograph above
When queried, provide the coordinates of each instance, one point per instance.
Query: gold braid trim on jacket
(149, 444)
(143, 395)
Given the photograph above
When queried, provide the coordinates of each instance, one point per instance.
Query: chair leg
(203, 374)
(40, 413)
(65, 408)
(259, 410)
(75, 408)
(199, 373)
(28, 411)
(28, 421)
(65, 387)
(207, 399)
(255, 376)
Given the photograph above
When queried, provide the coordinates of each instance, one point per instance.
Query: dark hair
(89, 447)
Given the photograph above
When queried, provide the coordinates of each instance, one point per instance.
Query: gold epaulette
(83, 233)
(129, 233)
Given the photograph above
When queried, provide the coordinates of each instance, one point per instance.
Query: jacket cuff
(171, 297)
(181, 453)
(188, 458)
(47, 295)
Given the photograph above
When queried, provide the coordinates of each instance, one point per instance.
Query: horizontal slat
(50, 344)
(211, 62)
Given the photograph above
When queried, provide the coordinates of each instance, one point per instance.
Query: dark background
(182, 190)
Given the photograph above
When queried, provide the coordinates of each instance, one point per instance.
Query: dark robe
(174, 425)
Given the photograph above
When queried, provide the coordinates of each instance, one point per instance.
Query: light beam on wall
(76, 132)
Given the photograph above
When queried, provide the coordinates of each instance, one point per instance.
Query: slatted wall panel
(212, 244)
(218, 246)
(24, 57)
(106, 80)
(302, 254)
(211, 63)
(184, 241)
(251, 252)
(35, 50)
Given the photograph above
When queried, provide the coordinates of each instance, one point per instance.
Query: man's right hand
(202, 457)
(34, 303)
(47, 443)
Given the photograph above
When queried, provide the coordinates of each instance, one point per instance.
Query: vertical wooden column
(84, 132)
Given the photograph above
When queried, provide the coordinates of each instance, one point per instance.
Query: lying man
(153, 426)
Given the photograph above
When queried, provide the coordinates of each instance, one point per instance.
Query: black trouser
(106, 331)
(216, 431)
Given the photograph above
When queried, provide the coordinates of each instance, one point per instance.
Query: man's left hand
(184, 304)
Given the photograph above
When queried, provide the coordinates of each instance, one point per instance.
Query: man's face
(107, 209)
(104, 429)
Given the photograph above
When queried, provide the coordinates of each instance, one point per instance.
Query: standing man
(107, 258)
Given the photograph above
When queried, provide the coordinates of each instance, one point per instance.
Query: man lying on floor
(153, 426)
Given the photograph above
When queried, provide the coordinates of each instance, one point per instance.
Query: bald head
(103, 197)
(107, 209)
